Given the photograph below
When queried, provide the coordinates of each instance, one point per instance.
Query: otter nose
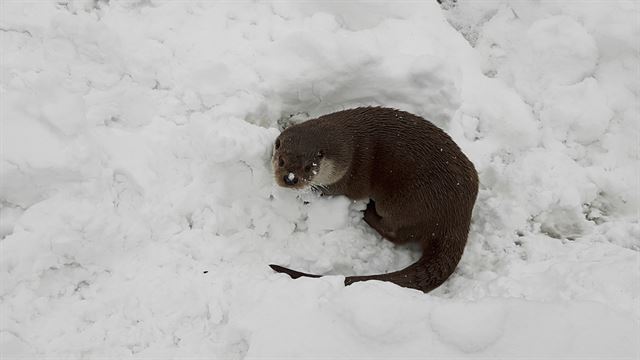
(290, 179)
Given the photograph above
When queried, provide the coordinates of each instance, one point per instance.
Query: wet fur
(420, 185)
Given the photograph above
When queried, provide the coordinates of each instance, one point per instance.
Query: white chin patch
(328, 173)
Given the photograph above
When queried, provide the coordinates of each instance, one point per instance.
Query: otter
(420, 185)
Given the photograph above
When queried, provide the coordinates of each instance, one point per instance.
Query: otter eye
(307, 168)
(280, 162)
(277, 144)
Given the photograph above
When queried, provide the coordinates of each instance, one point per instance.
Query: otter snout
(290, 179)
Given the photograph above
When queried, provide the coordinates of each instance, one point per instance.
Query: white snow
(139, 211)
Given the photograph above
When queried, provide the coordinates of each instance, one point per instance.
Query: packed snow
(139, 210)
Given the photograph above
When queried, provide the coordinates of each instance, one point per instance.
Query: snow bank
(138, 210)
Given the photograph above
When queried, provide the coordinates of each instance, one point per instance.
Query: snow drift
(139, 211)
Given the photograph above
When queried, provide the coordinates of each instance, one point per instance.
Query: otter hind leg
(383, 225)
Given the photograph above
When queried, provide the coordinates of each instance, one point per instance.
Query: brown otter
(420, 185)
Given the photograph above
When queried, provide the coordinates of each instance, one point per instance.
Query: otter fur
(420, 185)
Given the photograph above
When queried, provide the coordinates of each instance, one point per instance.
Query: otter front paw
(371, 217)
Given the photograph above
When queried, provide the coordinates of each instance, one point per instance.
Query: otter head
(302, 160)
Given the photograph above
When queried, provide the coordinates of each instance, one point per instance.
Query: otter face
(294, 167)
(299, 164)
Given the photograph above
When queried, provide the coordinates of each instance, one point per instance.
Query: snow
(139, 211)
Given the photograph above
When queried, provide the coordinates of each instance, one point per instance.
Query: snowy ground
(138, 210)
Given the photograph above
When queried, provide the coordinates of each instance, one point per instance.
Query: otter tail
(437, 263)
(294, 274)
(434, 268)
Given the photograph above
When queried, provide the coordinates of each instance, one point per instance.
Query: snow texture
(139, 210)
